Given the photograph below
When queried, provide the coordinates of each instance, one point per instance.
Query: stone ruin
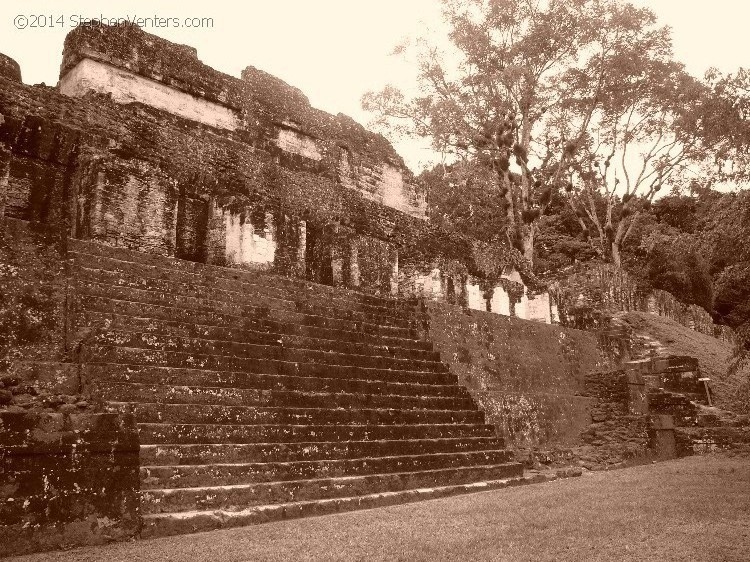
(242, 172)
(173, 359)
(222, 306)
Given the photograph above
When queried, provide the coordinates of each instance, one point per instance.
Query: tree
(651, 107)
(462, 198)
(519, 65)
(727, 124)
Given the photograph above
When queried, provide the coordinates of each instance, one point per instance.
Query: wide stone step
(252, 390)
(389, 347)
(246, 495)
(156, 477)
(243, 415)
(93, 374)
(151, 433)
(211, 453)
(235, 328)
(251, 277)
(199, 347)
(170, 281)
(153, 357)
(240, 306)
(96, 374)
(106, 302)
(165, 524)
(168, 394)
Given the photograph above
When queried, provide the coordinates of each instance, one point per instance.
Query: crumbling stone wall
(9, 68)
(68, 473)
(133, 168)
(618, 435)
(650, 409)
(67, 480)
(32, 295)
(562, 396)
(587, 299)
(528, 377)
(271, 114)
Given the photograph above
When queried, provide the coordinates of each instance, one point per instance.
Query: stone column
(216, 234)
(461, 297)
(335, 252)
(487, 295)
(337, 265)
(300, 262)
(450, 289)
(173, 233)
(354, 261)
(394, 273)
(270, 236)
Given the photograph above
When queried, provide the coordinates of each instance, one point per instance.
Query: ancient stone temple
(213, 309)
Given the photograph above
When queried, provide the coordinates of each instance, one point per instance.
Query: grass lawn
(692, 509)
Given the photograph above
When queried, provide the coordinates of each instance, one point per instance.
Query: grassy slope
(731, 393)
(696, 508)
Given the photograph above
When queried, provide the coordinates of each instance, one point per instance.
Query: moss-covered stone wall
(527, 376)
(32, 295)
(120, 169)
(67, 480)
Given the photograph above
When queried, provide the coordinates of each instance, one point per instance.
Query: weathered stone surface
(32, 307)
(589, 298)
(528, 377)
(178, 500)
(702, 440)
(343, 415)
(133, 66)
(240, 172)
(616, 436)
(177, 523)
(9, 68)
(68, 480)
(154, 155)
(90, 75)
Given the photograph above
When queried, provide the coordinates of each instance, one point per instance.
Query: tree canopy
(524, 88)
(563, 124)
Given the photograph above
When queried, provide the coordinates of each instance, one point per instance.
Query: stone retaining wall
(67, 480)
(527, 376)
(587, 299)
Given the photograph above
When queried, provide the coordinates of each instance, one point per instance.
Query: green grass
(692, 509)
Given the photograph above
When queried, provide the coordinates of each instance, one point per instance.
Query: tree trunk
(617, 244)
(510, 211)
(528, 243)
(616, 258)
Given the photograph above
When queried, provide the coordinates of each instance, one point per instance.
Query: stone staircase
(260, 397)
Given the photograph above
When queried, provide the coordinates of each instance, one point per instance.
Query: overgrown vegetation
(563, 124)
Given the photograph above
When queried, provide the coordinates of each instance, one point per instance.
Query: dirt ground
(696, 508)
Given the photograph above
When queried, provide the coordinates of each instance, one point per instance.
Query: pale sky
(333, 50)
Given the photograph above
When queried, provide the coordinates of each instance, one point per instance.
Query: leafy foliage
(562, 120)
(463, 197)
(531, 81)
